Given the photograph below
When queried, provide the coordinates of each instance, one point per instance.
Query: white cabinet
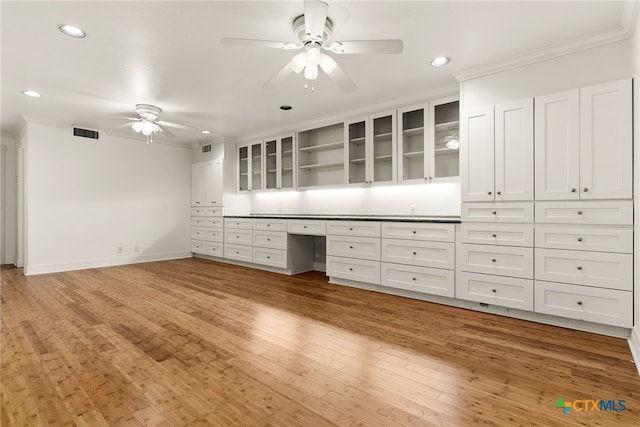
(279, 162)
(496, 152)
(320, 156)
(206, 184)
(206, 231)
(250, 167)
(497, 290)
(353, 251)
(238, 239)
(583, 143)
(370, 156)
(428, 136)
(435, 281)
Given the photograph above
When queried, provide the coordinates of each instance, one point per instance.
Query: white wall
(85, 198)
(584, 68)
(635, 70)
(420, 199)
(9, 202)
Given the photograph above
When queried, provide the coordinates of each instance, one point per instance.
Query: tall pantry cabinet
(563, 232)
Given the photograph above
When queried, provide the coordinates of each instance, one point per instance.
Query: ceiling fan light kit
(313, 29)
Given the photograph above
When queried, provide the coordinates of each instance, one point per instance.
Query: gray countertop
(395, 218)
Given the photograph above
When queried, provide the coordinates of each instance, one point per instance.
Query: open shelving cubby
(321, 156)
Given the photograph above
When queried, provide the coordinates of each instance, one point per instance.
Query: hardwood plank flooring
(196, 342)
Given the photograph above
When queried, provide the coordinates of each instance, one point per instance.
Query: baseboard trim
(634, 346)
(30, 270)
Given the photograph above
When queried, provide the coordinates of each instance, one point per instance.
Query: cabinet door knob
(489, 192)
(586, 190)
(350, 228)
(580, 267)
(350, 269)
(499, 193)
(304, 226)
(414, 231)
(494, 290)
(197, 203)
(268, 239)
(579, 212)
(573, 190)
(494, 235)
(493, 260)
(268, 257)
(494, 212)
(579, 302)
(268, 225)
(350, 247)
(413, 278)
(579, 239)
(415, 253)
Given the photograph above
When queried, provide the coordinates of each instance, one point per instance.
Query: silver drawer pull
(413, 278)
(493, 260)
(414, 231)
(304, 226)
(268, 257)
(499, 193)
(586, 190)
(579, 239)
(573, 190)
(350, 247)
(350, 228)
(494, 235)
(489, 192)
(494, 212)
(268, 225)
(197, 203)
(494, 290)
(350, 269)
(415, 253)
(580, 267)
(579, 302)
(579, 212)
(268, 239)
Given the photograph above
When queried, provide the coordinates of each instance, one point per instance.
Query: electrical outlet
(119, 249)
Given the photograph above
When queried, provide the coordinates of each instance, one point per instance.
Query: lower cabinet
(270, 257)
(270, 243)
(353, 252)
(608, 306)
(238, 252)
(359, 270)
(435, 281)
(497, 290)
(207, 231)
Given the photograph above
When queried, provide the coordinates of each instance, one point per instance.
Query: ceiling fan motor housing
(299, 31)
(148, 112)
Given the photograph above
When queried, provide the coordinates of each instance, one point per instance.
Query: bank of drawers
(584, 261)
(270, 242)
(419, 257)
(495, 255)
(353, 250)
(207, 232)
(238, 239)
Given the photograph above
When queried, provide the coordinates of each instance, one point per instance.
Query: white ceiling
(168, 53)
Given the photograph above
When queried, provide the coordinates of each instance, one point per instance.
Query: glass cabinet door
(413, 143)
(446, 134)
(243, 168)
(383, 152)
(271, 164)
(357, 151)
(256, 166)
(286, 162)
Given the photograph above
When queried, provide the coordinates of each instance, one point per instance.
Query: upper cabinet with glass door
(279, 162)
(413, 143)
(371, 149)
(445, 131)
(250, 167)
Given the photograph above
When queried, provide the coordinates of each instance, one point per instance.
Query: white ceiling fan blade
(390, 46)
(329, 66)
(279, 78)
(259, 43)
(174, 125)
(133, 119)
(315, 16)
(166, 131)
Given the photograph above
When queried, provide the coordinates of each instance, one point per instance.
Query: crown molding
(606, 37)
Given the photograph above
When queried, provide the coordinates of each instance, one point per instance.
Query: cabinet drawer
(585, 238)
(270, 239)
(307, 227)
(241, 223)
(500, 260)
(215, 249)
(497, 234)
(496, 290)
(435, 281)
(425, 254)
(198, 221)
(585, 303)
(198, 246)
(585, 212)
(354, 228)
(214, 222)
(271, 257)
(419, 231)
(239, 237)
(269, 224)
(603, 270)
(198, 233)
(354, 247)
(354, 269)
(238, 252)
(497, 212)
(215, 235)
(213, 211)
(198, 212)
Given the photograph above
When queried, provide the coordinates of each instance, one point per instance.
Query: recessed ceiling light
(31, 93)
(72, 31)
(286, 107)
(440, 61)
(206, 132)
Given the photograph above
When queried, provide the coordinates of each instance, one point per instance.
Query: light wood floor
(194, 342)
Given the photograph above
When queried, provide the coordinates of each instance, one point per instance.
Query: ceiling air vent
(85, 133)
(206, 148)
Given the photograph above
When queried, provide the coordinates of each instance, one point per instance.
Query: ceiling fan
(312, 31)
(148, 124)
